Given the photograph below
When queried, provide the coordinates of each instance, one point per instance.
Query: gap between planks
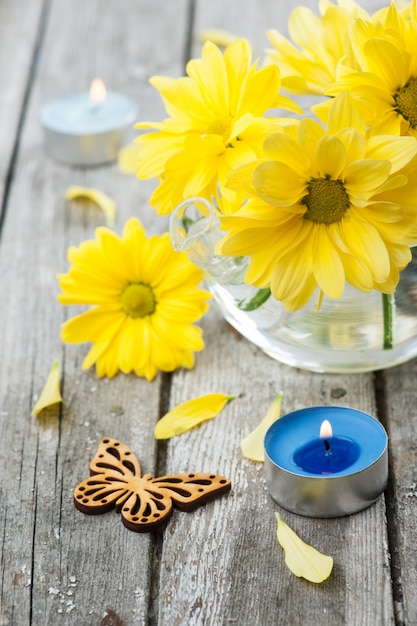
(158, 535)
(164, 402)
(43, 20)
(391, 506)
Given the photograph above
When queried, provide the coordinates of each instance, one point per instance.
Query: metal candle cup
(316, 490)
(78, 131)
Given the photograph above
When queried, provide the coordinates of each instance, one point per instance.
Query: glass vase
(343, 336)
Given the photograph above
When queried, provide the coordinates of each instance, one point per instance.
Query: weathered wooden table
(220, 564)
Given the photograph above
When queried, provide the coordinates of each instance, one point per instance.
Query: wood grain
(230, 568)
(57, 565)
(19, 22)
(220, 564)
(399, 400)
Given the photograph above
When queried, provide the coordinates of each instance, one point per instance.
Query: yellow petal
(106, 204)
(217, 36)
(330, 157)
(345, 112)
(252, 446)
(127, 159)
(385, 59)
(190, 414)
(303, 560)
(51, 393)
(278, 184)
(327, 266)
(366, 175)
(398, 150)
(281, 147)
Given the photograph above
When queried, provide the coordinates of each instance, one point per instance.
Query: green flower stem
(388, 306)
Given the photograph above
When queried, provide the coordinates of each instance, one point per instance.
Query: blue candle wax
(292, 442)
(327, 456)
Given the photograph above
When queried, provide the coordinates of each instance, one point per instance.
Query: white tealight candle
(88, 128)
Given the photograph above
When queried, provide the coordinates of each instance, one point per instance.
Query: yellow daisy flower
(309, 67)
(216, 123)
(326, 207)
(145, 298)
(383, 75)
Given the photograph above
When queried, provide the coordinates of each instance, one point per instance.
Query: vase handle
(194, 227)
(190, 221)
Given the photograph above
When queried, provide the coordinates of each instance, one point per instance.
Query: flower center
(406, 102)
(326, 201)
(220, 127)
(138, 300)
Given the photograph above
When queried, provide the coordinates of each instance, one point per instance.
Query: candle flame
(98, 91)
(326, 430)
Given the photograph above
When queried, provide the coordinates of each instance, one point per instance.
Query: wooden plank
(230, 568)
(399, 404)
(222, 564)
(249, 19)
(252, 19)
(20, 23)
(59, 566)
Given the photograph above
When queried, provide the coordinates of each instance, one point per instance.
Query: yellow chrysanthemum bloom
(326, 207)
(145, 298)
(383, 75)
(216, 123)
(309, 67)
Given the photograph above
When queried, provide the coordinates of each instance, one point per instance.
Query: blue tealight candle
(326, 461)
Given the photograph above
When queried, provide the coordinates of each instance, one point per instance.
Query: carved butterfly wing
(188, 491)
(152, 504)
(146, 508)
(112, 470)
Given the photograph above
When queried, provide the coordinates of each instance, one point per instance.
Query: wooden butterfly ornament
(144, 502)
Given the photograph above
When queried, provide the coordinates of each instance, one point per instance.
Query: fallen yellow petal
(217, 36)
(302, 559)
(190, 414)
(106, 204)
(51, 393)
(127, 159)
(252, 446)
